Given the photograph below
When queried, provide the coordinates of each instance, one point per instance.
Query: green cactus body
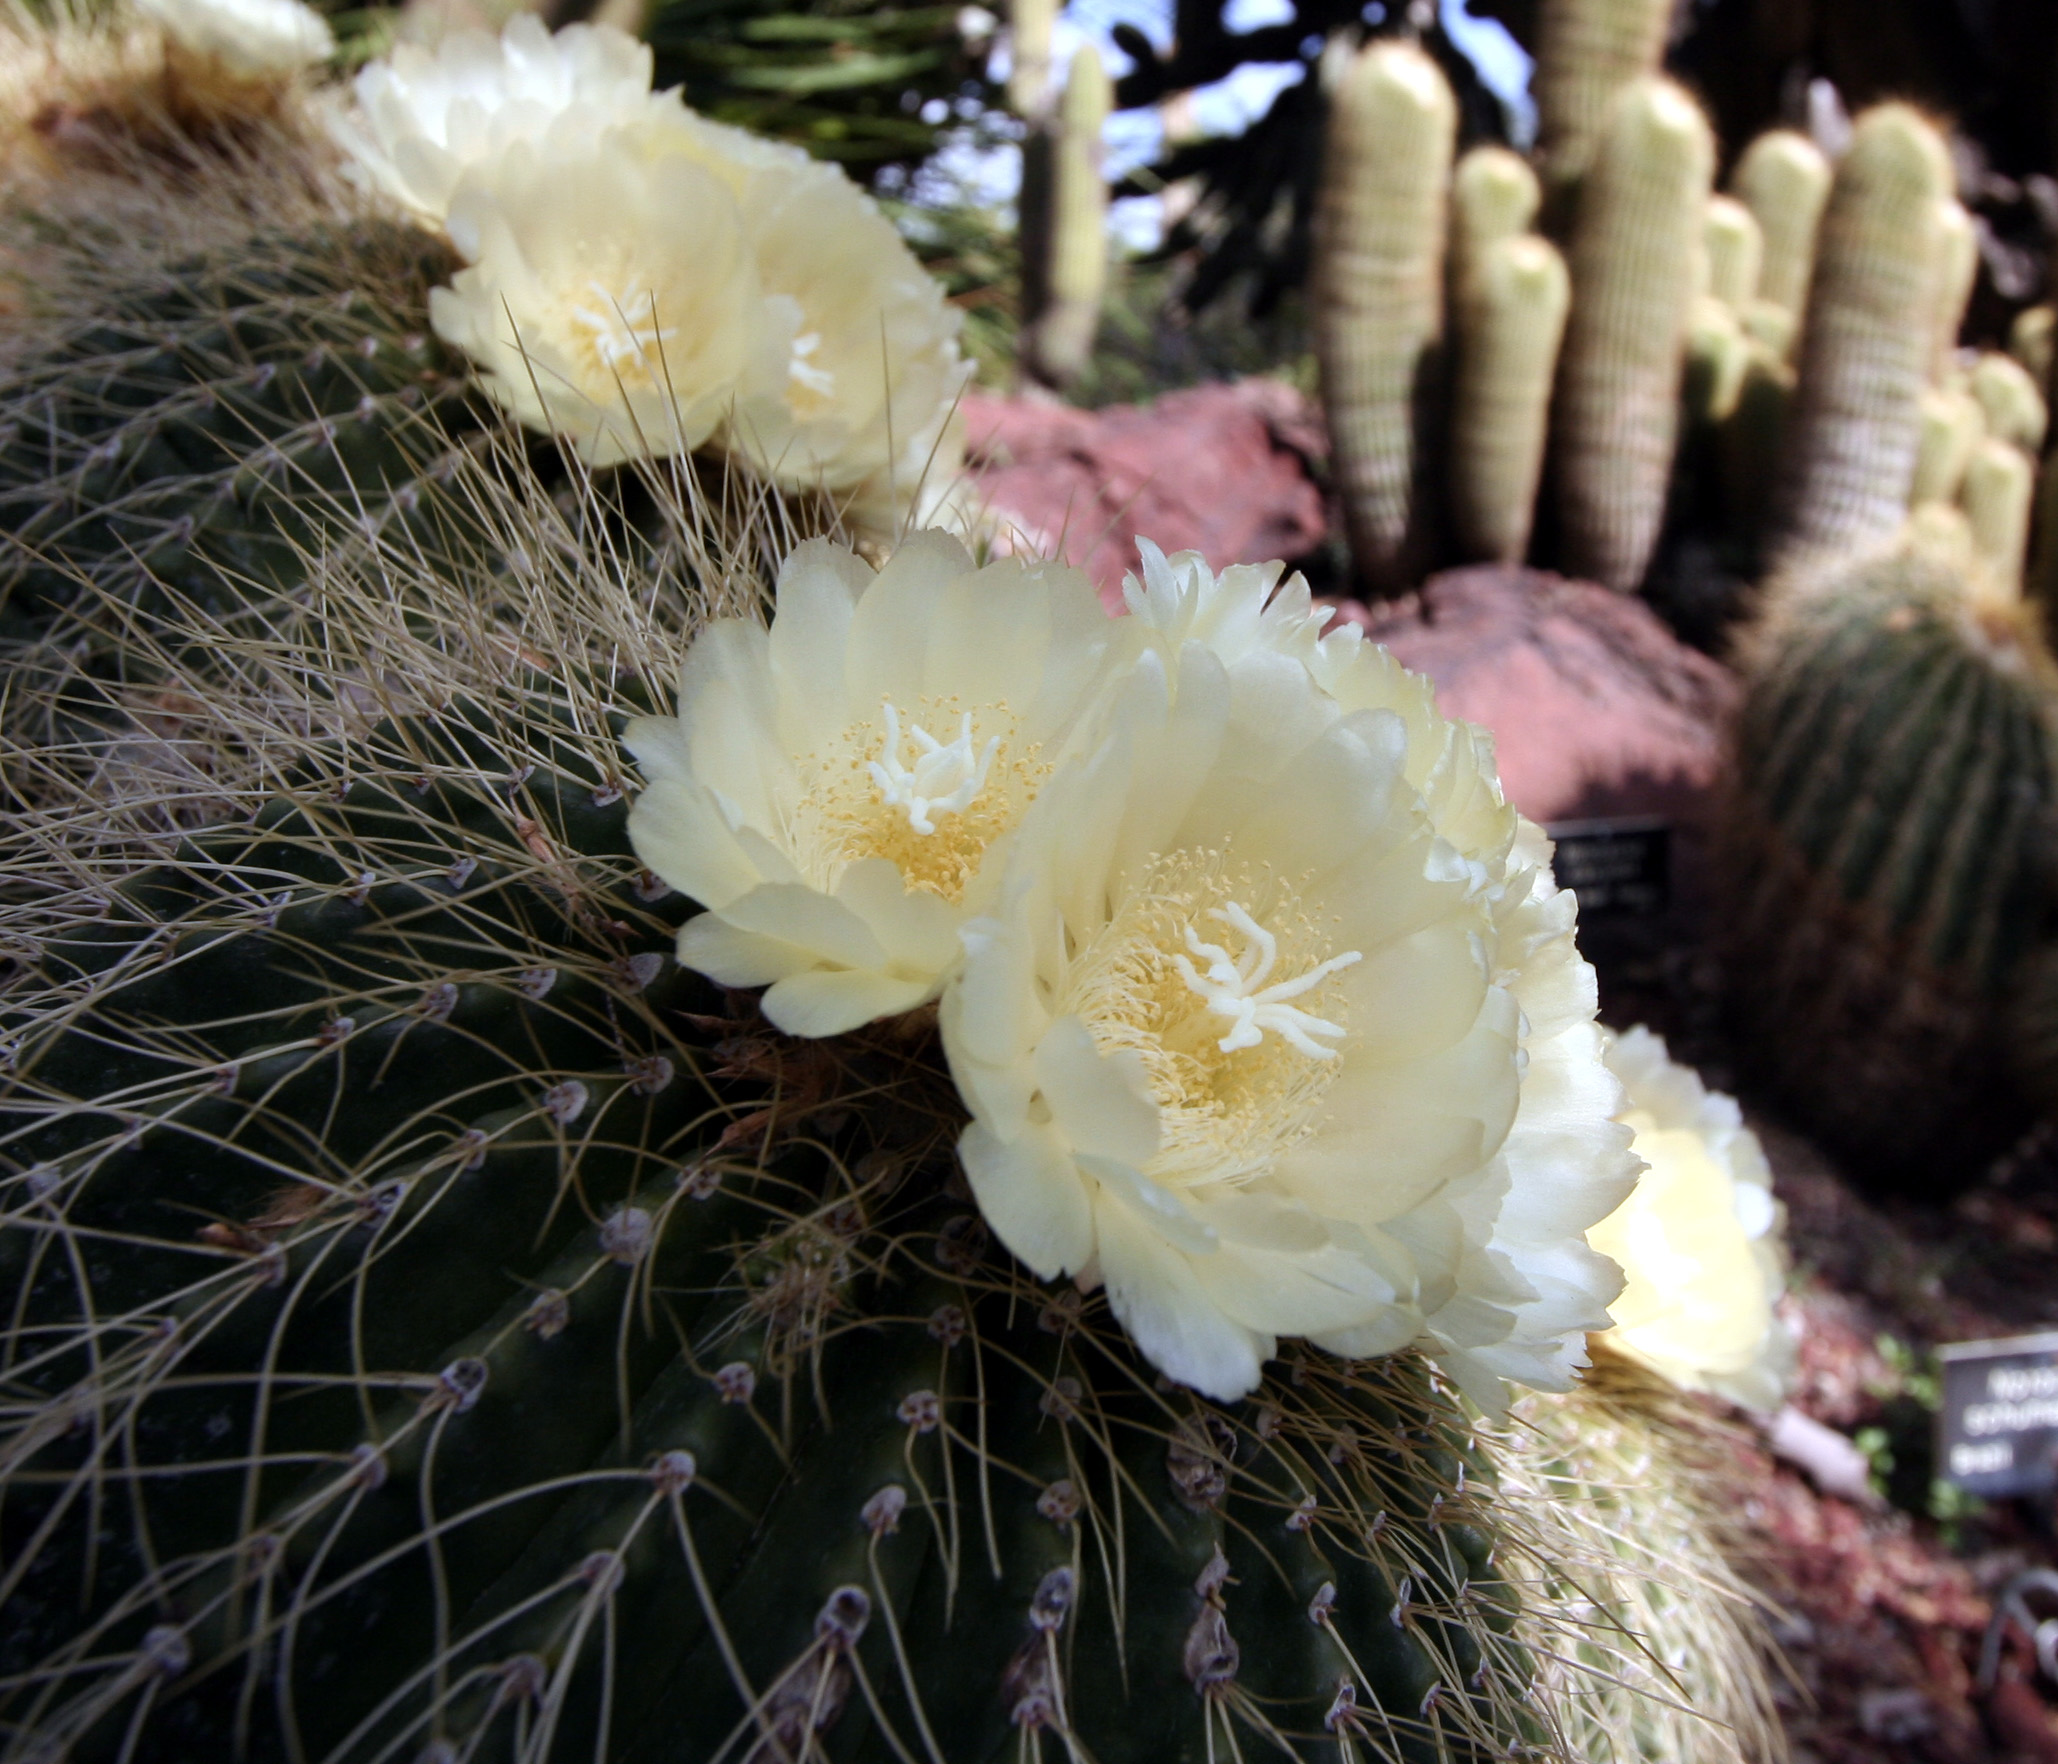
(1633, 255)
(198, 432)
(2008, 395)
(1999, 488)
(1718, 354)
(1952, 426)
(2029, 341)
(1510, 315)
(1747, 445)
(557, 1363)
(1494, 196)
(1031, 24)
(1894, 767)
(1586, 52)
(1065, 227)
(1736, 252)
(1783, 179)
(1866, 343)
(1377, 294)
(1770, 324)
(1957, 269)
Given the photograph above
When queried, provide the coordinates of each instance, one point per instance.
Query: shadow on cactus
(448, 1329)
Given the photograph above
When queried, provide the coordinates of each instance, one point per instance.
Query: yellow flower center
(618, 332)
(1223, 985)
(929, 806)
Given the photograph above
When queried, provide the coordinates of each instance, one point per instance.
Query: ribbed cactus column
(2009, 399)
(1783, 179)
(1999, 487)
(1030, 25)
(1957, 269)
(1494, 195)
(1951, 428)
(1064, 227)
(1736, 250)
(1867, 342)
(1633, 262)
(1377, 290)
(1586, 52)
(1509, 317)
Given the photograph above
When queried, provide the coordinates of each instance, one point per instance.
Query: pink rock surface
(1597, 710)
(1220, 469)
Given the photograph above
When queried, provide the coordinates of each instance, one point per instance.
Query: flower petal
(1152, 1288)
(1031, 1194)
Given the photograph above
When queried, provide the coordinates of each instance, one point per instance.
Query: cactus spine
(1867, 342)
(1510, 315)
(1586, 52)
(1064, 227)
(1783, 179)
(1895, 765)
(1377, 293)
(1633, 261)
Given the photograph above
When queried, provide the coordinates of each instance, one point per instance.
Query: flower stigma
(1229, 1105)
(1236, 988)
(944, 780)
(615, 341)
(810, 376)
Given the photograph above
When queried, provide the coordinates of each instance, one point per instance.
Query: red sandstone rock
(1596, 708)
(1219, 469)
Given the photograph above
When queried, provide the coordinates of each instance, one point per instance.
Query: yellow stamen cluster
(1223, 1115)
(843, 815)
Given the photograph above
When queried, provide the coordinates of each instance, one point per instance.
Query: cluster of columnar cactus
(1773, 369)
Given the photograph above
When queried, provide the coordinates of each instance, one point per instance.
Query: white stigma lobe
(1236, 989)
(944, 780)
(617, 340)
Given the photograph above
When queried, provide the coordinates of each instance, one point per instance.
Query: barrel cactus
(449, 1327)
(1883, 885)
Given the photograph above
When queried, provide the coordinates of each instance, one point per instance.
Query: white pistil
(944, 780)
(615, 339)
(1236, 989)
(818, 380)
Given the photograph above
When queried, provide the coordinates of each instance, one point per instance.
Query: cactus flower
(837, 789)
(1275, 1026)
(1698, 1239)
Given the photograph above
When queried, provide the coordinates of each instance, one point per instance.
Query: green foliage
(843, 78)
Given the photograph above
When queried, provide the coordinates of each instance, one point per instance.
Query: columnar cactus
(1736, 251)
(1952, 426)
(1586, 52)
(1894, 772)
(1510, 315)
(2010, 401)
(1957, 269)
(1783, 179)
(1494, 195)
(1064, 227)
(1377, 297)
(1633, 259)
(1866, 348)
(1999, 487)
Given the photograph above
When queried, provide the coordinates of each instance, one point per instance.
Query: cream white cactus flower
(1275, 1026)
(610, 294)
(837, 790)
(1699, 1239)
(867, 347)
(422, 117)
(253, 38)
